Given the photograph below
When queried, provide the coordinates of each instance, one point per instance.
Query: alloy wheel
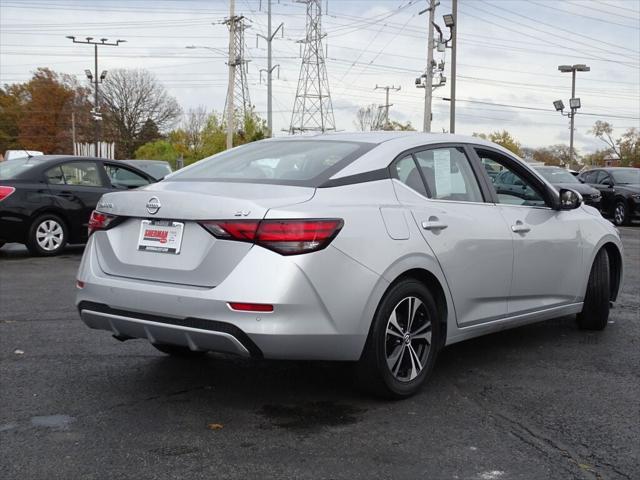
(49, 235)
(408, 339)
(619, 213)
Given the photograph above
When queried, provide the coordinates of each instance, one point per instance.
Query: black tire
(35, 243)
(595, 310)
(621, 215)
(178, 351)
(374, 372)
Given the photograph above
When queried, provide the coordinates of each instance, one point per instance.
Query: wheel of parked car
(177, 350)
(621, 213)
(402, 345)
(595, 312)
(47, 235)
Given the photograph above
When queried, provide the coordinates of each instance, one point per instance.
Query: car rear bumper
(13, 228)
(313, 318)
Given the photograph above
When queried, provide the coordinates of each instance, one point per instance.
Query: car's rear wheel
(178, 351)
(403, 342)
(47, 235)
(595, 310)
(621, 213)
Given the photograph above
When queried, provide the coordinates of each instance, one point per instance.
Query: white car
(380, 248)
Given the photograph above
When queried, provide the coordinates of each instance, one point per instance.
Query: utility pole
(97, 79)
(312, 107)
(270, 67)
(574, 103)
(73, 132)
(232, 73)
(386, 103)
(428, 91)
(454, 51)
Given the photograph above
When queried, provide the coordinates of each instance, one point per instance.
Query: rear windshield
(156, 170)
(290, 162)
(627, 175)
(11, 168)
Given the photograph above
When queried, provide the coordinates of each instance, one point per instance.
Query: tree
(131, 99)
(36, 115)
(556, 155)
(502, 138)
(372, 117)
(626, 147)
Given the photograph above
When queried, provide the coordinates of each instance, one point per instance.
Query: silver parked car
(380, 248)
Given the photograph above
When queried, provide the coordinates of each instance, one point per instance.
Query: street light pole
(574, 103)
(454, 51)
(97, 79)
(428, 91)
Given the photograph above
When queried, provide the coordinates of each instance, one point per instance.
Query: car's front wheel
(621, 213)
(47, 235)
(177, 350)
(595, 309)
(403, 343)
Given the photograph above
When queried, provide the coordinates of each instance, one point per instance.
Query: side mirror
(609, 183)
(569, 199)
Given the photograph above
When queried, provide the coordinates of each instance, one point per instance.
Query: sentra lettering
(156, 235)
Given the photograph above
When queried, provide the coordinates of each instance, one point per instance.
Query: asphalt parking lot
(542, 401)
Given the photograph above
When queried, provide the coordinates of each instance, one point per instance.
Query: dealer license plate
(162, 236)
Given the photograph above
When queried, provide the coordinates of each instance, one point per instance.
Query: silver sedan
(377, 248)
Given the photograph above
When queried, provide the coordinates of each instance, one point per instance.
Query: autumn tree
(37, 115)
(132, 99)
(502, 138)
(555, 155)
(626, 147)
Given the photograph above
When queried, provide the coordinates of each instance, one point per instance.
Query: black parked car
(562, 178)
(46, 201)
(620, 189)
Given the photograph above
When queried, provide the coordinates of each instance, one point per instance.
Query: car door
(605, 185)
(77, 186)
(547, 243)
(468, 236)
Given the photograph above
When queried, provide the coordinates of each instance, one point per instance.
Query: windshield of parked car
(11, 168)
(557, 175)
(627, 175)
(291, 162)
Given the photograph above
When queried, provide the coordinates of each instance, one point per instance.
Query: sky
(508, 57)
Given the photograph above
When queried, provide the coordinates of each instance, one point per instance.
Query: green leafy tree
(502, 138)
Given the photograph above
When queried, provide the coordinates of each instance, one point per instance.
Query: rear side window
(81, 173)
(303, 162)
(449, 175)
(55, 176)
(407, 172)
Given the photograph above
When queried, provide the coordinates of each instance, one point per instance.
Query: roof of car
(140, 160)
(378, 137)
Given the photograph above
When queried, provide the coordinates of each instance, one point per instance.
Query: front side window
(296, 162)
(510, 187)
(121, 177)
(603, 178)
(81, 173)
(448, 175)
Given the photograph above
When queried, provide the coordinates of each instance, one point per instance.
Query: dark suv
(620, 189)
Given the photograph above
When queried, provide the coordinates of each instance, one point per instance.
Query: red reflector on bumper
(79, 284)
(250, 307)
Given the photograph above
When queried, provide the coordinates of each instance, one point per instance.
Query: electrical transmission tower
(312, 108)
(241, 100)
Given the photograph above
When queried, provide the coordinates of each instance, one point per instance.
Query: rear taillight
(5, 192)
(287, 237)
(100, 221)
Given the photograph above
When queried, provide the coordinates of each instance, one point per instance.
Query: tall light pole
(97, 79)
(574, 103)
(451, 21)
(428, 92)
(270, 67)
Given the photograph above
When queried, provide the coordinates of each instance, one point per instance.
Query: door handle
(434, 224)
(520, 227)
